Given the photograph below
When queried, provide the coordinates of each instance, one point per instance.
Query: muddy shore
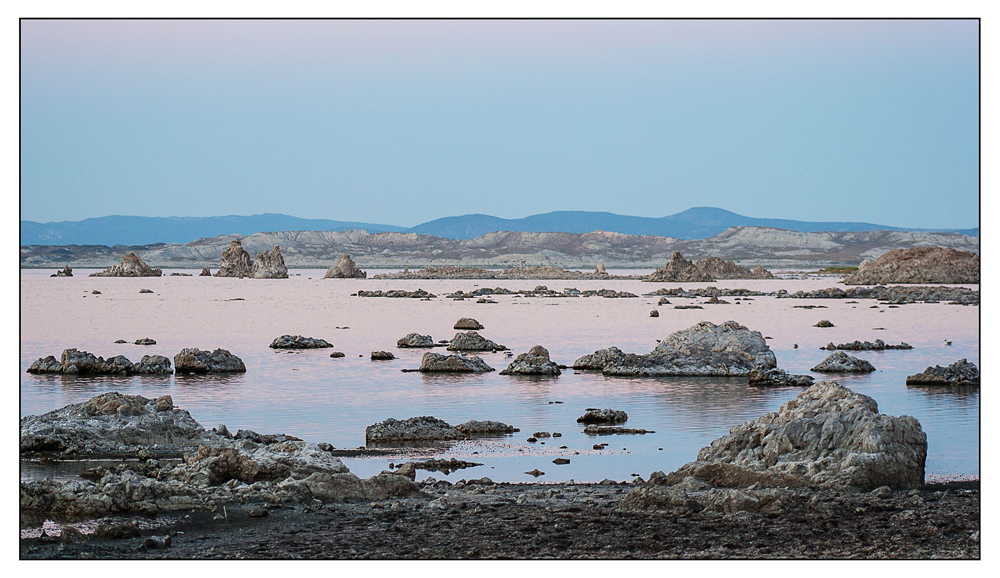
(470, 520)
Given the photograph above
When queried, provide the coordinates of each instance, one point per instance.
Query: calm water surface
(320, 399)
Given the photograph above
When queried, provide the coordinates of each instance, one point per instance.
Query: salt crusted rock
(610, 416)
(344, 269)
(76, 362)
(415, 340)
(961, 372)
(599, 358)
(705, 349)
(429, 428)
(827, 438)
(131, 266)
(298, 342)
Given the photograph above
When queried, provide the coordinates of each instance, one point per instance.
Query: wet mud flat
(478, 519)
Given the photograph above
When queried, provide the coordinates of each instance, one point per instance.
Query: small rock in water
(654, 313)
(337, 354)
(96, 292)
(382, 356)
(535, 472)
(145, 290)
(145, 341)
(823, 323)
(120, 341)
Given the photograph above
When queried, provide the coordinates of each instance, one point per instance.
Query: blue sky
(401, 122)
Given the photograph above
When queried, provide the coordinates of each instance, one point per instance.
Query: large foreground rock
(840, 362)
(235, 261)
(705, 349)
(194, 360)
(679, 269)
(298, 342)
(918, 265)
(131, 266)
(472, 341)
(113, 424)
(535, 362)
(434, 362)
(269, 265)
(827, 438)
(961, 372)
(344, 269)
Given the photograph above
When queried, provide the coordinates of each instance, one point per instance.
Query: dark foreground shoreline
(482, 520)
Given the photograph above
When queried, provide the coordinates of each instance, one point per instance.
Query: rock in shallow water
(468, 323)
(535, 362)
(195, 360)
(415, 340)
(961, 372)
(298, 342)
(472, 341)
(434, 362)
(840, 362)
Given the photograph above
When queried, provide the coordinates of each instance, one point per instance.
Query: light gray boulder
(423, 428)
(298, 342)
(415, 340)
(153, 365)
(840, 362)
(344, 268)
(706, 349)
(472, 341)
(598, 359)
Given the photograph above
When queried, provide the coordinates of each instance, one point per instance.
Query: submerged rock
(827, 438)
(415, 340)
(599, 358)
(840, 362)
(194, 360)
(961, 372)
(705, 349)
(235, 261)
(468, 323)
(269, 265)
(344, 268)
(433, 362)
(918, 265)
(472, 341)
(535, 362)
(131, 266)
(603, 430)
(485, 428)
(298, 342)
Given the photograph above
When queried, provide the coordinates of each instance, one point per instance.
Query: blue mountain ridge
(695, 223)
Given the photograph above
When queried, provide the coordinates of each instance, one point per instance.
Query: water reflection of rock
(714, 403)
(209, 380)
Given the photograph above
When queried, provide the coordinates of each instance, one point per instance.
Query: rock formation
(827, 438)
(382, 356)
(878, 345)
(961, 372)
(705, 349)
(205, 272)
(194, 360)
(840, 362)
(269, 265)
(918, 265)
(76, 362)
(298, 342)
(468, 323)
(606, 416)
(344, 269)
(145, 341)
(535, 362)
(433, 362)
(131, 266)
(235, 262)
(775, 377)
(472, 341)
(415, 340)
(428, 428)
(113, 424)
(64, 272)
(679, 269)
(598, 359)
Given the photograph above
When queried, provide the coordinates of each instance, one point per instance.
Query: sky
(403, 121)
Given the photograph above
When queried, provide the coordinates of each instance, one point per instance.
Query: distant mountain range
(696, 223)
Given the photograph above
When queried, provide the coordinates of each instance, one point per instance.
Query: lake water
(320, 399)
